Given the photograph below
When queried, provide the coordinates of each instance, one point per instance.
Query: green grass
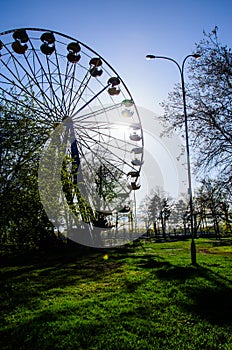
(138, 299)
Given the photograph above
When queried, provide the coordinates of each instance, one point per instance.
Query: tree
(213, 204)
(21, 140)
(159, 210)
(164, 215)
(23, 220)
(179, 215)
(147, 214)
(106, 181)
(209, 104)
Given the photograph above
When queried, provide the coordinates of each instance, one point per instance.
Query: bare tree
(213, 204)
(209, 105)
(159, 210)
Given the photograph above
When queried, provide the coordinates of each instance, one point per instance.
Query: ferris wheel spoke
(87, 146)
(73, 99)
(65, 83)
(95, 96)
(91, 100)
(68, 83)
(21, 88)
(113, 138)
(79, 93)
(23, 159)
(41, 117)
(106, 150)
(60, 80)
(31, 79)
(41, 91)
(70, 93)
(11, 83)
(55, 99)
(90, 126)
(14, 60)
(106, 161)
(90, 168)
(46, 76)
(100, 111)
(68, 86)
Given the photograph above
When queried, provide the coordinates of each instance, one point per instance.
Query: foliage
(106, 182)
(159, 210)
(77, 203)
(209, 102)
(179, 216)
(23, 221)
(213, 202)
(22, 137)
(146, 214)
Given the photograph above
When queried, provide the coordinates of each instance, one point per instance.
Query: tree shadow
(207, 293)
(224, 242)
(24, 279)
(213, 299)
(213, 304)
(151, 263)
(180, 273)
(48, 329)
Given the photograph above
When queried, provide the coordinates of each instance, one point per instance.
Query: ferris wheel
(92, 133)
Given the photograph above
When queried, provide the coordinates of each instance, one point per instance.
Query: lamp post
(181, 70)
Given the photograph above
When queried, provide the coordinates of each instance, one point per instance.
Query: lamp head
(150, 57)
(196, 55)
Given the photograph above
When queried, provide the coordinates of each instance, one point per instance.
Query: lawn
(136, 297)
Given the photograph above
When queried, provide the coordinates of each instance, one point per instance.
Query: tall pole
(190, 192)
(193, 246)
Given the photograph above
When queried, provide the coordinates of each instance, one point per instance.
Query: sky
(123, 32)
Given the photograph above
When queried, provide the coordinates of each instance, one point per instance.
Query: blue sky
(123, 32)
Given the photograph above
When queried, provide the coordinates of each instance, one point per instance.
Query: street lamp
(181, 70)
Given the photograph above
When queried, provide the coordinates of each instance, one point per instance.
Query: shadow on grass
(224, 242)
(217, 242)
(51, 330)
(24, 279)
(212, 303)
(156, 264)
(209, 294)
